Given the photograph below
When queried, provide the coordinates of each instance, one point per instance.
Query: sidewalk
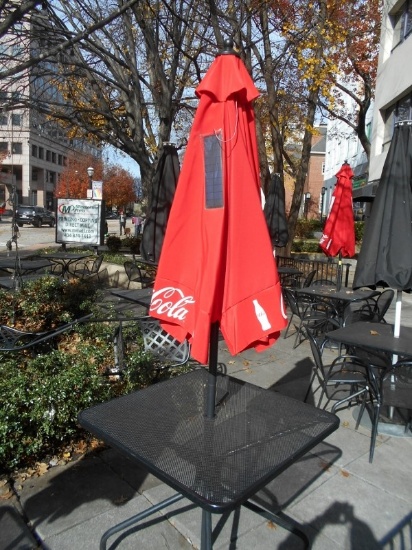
(341, 500)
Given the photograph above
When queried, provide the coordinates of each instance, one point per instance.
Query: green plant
(306, 246)
(306, 228)
(133, 243)
(113, 243)
(359, 230)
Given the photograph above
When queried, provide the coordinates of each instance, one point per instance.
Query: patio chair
(392, 389)
(324, 282)
(84, 269)
(307, 281)
(320, 316)
(166, 351)
(135, 275)
(344, 380)
(13, 340)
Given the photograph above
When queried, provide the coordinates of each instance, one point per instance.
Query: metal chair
(307, 281)
(135, 275)
(344, 380)
(85, 269)
(320, 316)
(392, 389)
(13, 340)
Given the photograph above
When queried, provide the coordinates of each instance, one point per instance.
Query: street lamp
(322, 193)
(306, 206)
(90, 172)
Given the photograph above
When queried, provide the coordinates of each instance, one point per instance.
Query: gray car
(34, 215)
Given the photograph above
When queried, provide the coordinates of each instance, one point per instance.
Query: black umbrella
(163, 190)
(385, 258)
(275, 212)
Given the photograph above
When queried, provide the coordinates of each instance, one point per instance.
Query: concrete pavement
(342, 501)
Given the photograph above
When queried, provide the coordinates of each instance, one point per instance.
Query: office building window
(17, 148)
(400, 111)
(402, 23)
(54, 158)
(48, 156)
(34, 174)
(41, 153)
(16, 119)
(34, 151)
(3, 120)
(4, 147)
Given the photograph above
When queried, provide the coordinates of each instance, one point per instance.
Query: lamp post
(90, 173)
(306, 205)
(322, 200)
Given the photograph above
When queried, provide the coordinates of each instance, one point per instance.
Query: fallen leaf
(374, 333)
(345, 473)
(42, 468)
(345, 424)
(246, 363)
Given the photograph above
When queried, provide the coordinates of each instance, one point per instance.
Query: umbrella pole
(339, 275)
(211, 384)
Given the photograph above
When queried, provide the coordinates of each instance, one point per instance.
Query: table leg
(135, 519)
(206, 540)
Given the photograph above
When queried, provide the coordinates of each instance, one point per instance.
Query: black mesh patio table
(217, 463)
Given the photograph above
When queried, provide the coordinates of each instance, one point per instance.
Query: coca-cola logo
(171, 302)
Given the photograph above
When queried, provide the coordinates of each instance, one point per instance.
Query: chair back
(309, 278)
(383, 303)
(96, 264)
(292, 302)
(316, 352)
(396, 390)
(169, 351)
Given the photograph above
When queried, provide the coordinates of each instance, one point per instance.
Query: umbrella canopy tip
(228, 47)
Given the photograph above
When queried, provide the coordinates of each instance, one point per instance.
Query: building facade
(393, 95)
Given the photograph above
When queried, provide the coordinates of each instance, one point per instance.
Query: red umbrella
(339, 232)
(217, 265)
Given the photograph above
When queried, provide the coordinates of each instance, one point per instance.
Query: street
(38, 237)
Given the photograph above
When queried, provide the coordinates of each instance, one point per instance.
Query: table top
(376, 336)
(68, 255)
(217, 463)
(25, 265)
(345, 294)
(286, 270)
(142, 296)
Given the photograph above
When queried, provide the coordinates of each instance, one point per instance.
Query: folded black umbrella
(163, 191)
(275, 212)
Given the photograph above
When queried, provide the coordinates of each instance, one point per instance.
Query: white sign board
(79, 221)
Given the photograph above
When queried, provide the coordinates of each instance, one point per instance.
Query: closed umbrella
(275, 212)
(338, 237)
(385, 258)
(217, 267)
(163, 191)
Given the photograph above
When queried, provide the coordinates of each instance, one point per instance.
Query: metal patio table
(375, 336)
(220, 462)
(66, 259)
(25, 267)
(340, 298)
(141, 296)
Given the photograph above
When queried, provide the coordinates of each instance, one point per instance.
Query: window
(16, 119)
(402, 23)
(48, 156)
(54, 158)
(34, 151)
(3, 120)
(60, 160)
(41, 153)
(401, 110)
(4, 146)
(17, 148)
(34, 174)
(3, 96)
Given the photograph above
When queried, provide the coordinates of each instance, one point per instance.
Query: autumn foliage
(118, 183)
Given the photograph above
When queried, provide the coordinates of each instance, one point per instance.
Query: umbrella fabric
(163, 190)
(385, 258)
(275, 212)
(217, 264)
(339, 232)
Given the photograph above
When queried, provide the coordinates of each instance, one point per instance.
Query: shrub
(306, 246)
(113, 243)
(306, 228)
(42, 394)
(133, 243)
(359, 230)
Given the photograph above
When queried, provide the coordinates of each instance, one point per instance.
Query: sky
(115, 156)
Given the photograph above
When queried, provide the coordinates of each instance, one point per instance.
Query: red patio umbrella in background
(217, 267)
(338, 237)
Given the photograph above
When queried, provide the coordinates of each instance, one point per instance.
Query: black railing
(325, 269)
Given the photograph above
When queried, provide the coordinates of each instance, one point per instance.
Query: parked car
(34, 215)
